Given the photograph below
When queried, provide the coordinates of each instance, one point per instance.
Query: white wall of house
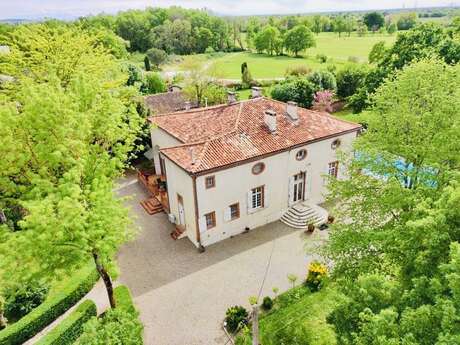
(234, 184)
(160, 139)
(180, 183)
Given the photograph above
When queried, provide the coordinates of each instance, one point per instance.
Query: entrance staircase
(302, 214)
(152, 206)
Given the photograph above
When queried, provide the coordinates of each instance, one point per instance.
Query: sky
(67, 9)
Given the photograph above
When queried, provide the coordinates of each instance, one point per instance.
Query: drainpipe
(201, 248)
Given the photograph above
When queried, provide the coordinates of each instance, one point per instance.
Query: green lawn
(337, 49)
(298, 309)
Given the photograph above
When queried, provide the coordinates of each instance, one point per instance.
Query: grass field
(303, 311)
(337, 49)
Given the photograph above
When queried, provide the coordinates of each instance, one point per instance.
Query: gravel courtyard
(182, 295)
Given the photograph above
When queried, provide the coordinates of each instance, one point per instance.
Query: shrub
(117, 326)
(267, 303)
(297, 71)
(3, 319)
(153, 84)
(323, 80)
(353, 59)
(317, 272)
(321, 58)
(23, 300)
(77, 287)
(68, 331)
(236, 317)
(299, 90)
(349, 79)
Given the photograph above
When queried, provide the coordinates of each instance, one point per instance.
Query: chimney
(188, 105)
(291, 111)
(270, 120)
(231, 97)
(192, 155)
(256, 92)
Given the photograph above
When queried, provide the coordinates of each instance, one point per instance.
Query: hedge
(124, 300)
(54, 306)
(68, 331)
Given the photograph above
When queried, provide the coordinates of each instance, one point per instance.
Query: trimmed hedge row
(77, 287)
(124, 299)
(68, 331)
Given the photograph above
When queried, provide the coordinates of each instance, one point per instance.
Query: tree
(147, 66)
(134, 27)
(361, 30)
(339, 24)
(246, 77)
(350, 24)
(349, 79)
(377, 52)
(157, 56)
(374, 21)
(323, 80)
(298, 39)
(397, 254)
(406, 21)
(317, 24)
(204, 39)
(392, 28)
(267, 40)
(63, 144)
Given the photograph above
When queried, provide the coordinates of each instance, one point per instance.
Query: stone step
(152, 206)
(300, 215)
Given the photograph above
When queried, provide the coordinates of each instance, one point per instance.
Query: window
(335, 144)
(333, 168)
(257, 197)
(301, 155)
(210, 220)
(258, 168)
(210, 182)
(234, 211)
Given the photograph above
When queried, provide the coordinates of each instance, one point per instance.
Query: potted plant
(311, 228)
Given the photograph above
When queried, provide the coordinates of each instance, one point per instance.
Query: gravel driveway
(182, 295)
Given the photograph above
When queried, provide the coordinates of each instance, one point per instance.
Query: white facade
(234, 185)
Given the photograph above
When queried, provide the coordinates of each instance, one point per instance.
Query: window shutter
(290, 190)
(266, 197)
(227, 214)
(249, 202)
(202, 224)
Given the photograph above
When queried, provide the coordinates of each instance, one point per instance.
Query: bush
(117, 326)
(323, 80)
(321, 58)
(297, 71)
(317, 272)
(156, 56)
(349, 79)
(299, 90)
(153, 84)
(22, 301)
(3, 319)
(267, 303)
(68, 331)
(236, 317)
(353, 59)
(78, 286)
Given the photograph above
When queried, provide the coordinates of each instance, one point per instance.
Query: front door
(297, 192)
(180, 203)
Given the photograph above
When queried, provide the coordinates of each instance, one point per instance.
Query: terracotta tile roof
(218, 136)
(166, 102)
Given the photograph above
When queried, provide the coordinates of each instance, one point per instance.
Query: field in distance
(337, 49)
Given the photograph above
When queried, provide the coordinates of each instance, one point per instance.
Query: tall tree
(374, 21)
(298, 39)
(67, 131)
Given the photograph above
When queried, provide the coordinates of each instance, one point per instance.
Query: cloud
(59, 8)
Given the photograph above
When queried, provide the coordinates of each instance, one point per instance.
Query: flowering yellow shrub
(315, 276)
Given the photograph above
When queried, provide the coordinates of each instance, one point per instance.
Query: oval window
(335, 144)
(258, 168)
(301, 154)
